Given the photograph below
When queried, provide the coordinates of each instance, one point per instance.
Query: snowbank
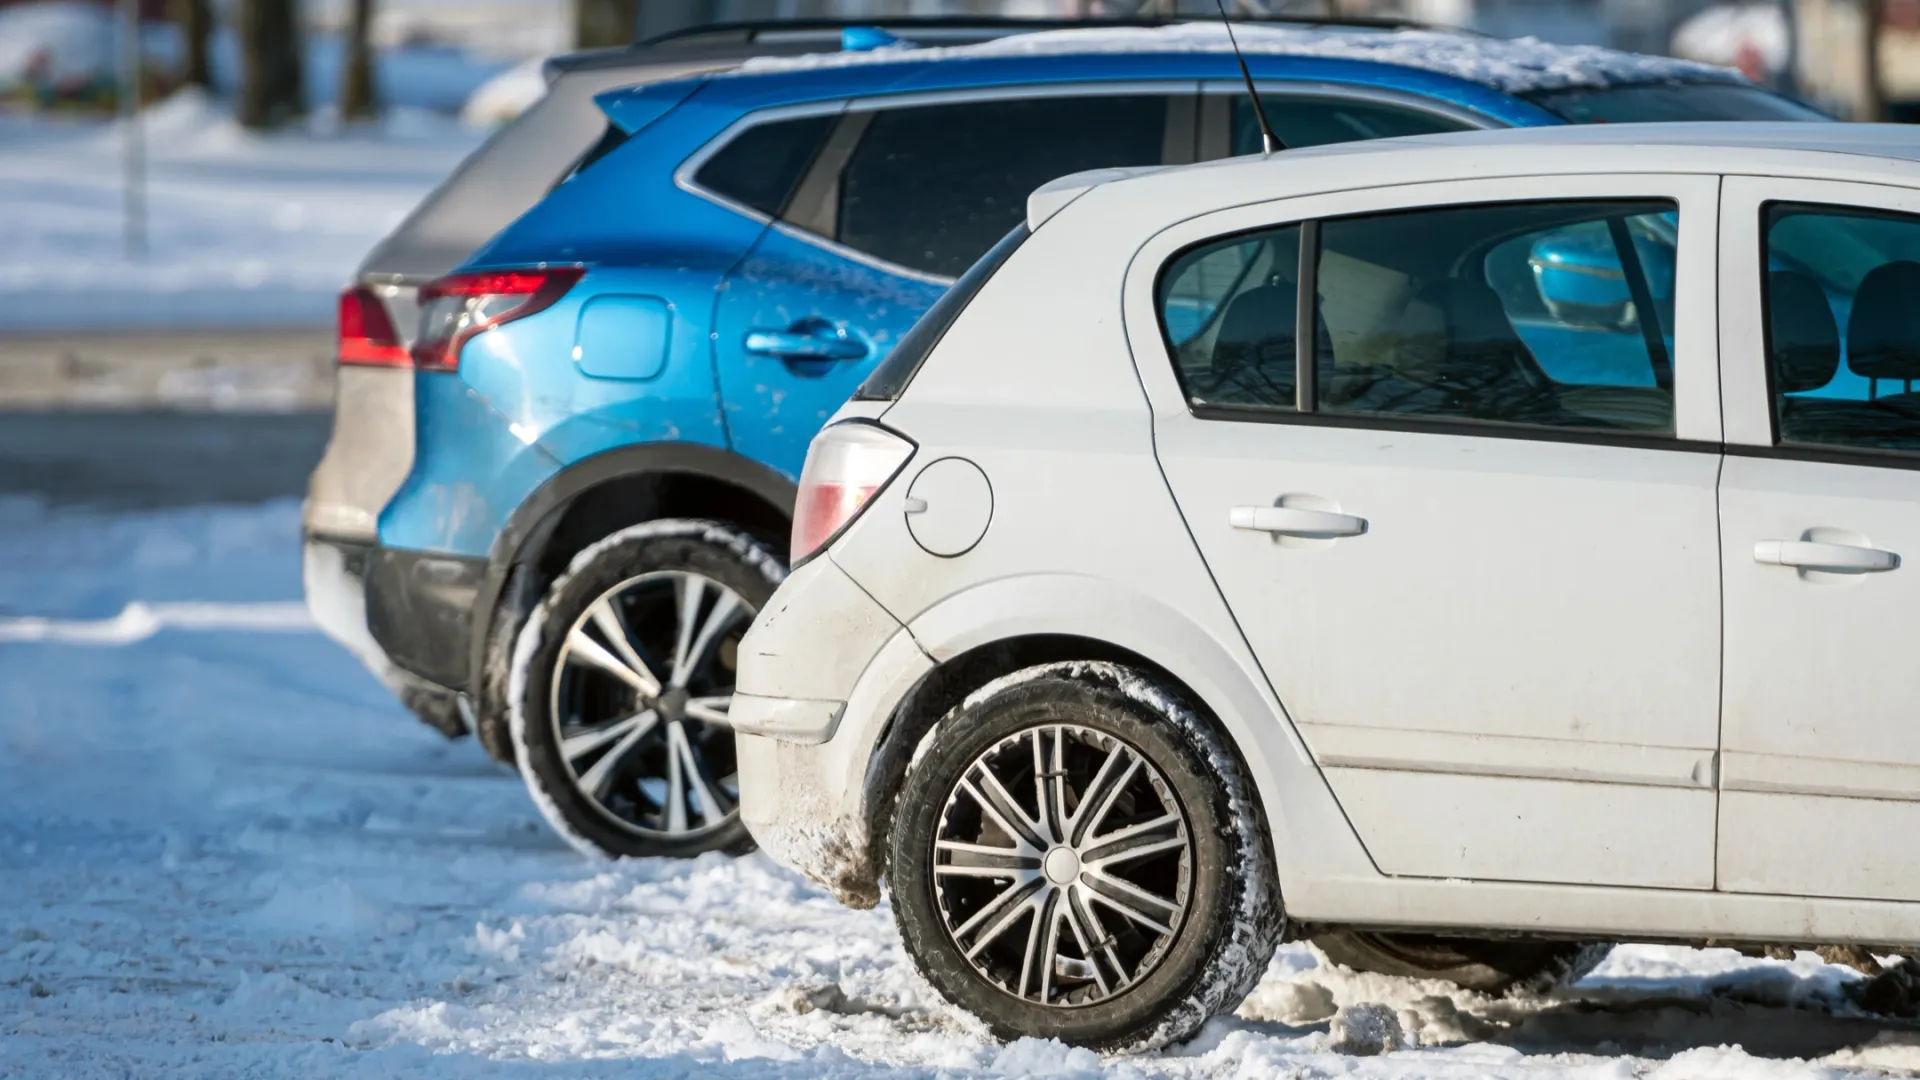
(506, 95)
(1517, 66)
(244, 229)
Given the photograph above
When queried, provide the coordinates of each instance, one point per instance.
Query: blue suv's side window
(932, 187)
(759, 167)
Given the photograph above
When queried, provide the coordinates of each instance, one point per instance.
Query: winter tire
(620, 684)
(1489, 966)
(1079, 856)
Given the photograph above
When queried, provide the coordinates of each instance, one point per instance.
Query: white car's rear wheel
(621, 685)
(1077, 856)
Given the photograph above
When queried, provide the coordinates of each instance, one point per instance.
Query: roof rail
(748, 31)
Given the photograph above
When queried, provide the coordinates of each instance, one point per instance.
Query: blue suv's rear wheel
(620, 688)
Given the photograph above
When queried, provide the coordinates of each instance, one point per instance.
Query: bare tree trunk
(196, 30)
(356, 74)
(600, 23)
(1873, 96)
(271, 90)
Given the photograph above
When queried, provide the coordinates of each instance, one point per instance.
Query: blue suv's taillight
(456, 308)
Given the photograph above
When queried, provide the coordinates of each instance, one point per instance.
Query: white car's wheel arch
(1038, 615)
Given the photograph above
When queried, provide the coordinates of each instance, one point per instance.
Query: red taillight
(456, 308)
(846, 464)
(366, 334)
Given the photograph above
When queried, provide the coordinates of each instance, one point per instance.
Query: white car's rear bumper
(807, 723)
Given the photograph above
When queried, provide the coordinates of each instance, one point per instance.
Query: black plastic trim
(420, 610)
(1830, 455)
(1492, 429)
(751, 29)
(540, 510)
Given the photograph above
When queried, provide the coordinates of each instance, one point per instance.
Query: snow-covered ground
(224, 852)
(244, 229)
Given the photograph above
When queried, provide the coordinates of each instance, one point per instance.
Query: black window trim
(1306, 354)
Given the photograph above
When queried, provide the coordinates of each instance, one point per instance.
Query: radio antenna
(1269, 142)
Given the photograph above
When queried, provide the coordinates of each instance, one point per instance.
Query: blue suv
(613, 397)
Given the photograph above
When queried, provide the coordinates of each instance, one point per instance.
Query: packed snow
(225, 852)
(244, 229)
(1516, 66)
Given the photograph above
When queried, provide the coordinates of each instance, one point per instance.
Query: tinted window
(761, 165)
(933, 187)
(610, 140)
(1228, 310)
(1527, 313)
(890, 377)
(1843, 326)
(1657, 103)
(1309, 121)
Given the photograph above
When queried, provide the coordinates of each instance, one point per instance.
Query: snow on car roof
(1517, 67)
(1873, 140)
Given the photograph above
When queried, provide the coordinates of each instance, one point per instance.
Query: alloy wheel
(1062, 865)
(640, 695)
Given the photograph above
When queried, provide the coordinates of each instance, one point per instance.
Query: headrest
(1258, 326)
(1802, 339)
(1883, 333)
(1473, 311)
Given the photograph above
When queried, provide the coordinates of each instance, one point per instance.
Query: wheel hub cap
(1062, 865)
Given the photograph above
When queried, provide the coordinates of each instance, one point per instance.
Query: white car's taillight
(846, 464)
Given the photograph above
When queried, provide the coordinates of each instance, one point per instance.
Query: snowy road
(225, 853)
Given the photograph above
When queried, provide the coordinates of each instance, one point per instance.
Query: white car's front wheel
(1078, 856)
(621, 683)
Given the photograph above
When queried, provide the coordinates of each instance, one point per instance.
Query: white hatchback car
(1453, 549)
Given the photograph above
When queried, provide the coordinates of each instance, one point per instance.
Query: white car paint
(1676, 741)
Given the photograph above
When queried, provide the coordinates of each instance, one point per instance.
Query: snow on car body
(1509, 635)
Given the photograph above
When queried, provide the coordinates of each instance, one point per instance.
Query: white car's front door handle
(1834, 558)
(1297, 521)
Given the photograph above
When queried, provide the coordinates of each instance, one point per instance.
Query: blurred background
(170, 273)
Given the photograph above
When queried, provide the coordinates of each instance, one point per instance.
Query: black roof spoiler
(749, 31)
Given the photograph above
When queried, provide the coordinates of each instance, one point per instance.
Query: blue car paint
(519, 410)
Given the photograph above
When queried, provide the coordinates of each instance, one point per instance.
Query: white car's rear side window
(1549, 314)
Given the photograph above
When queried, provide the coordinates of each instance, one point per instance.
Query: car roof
(523, 161)
(1887, 153)
(1511, 66)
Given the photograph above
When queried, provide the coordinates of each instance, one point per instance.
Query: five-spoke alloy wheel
(621, 686)
(1077, 855)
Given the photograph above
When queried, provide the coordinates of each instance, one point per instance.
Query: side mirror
(1580, 281)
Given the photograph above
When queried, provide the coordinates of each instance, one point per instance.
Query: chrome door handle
(811, 338)
(1296, 521)
(1833, 558)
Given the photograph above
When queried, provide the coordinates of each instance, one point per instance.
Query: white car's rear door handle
(1297, 521)
(1834, 558)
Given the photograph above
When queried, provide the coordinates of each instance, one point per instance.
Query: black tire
(665, 756)
(1181, 975)
(1491, 966)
